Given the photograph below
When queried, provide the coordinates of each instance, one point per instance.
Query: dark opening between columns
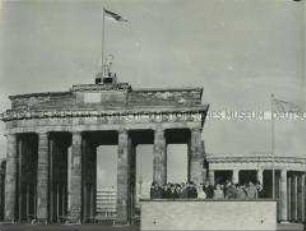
(59, 142)
(26, 196)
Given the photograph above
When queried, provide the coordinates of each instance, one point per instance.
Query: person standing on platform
(201, 193)
(218, 193)
(209, 190)
(241, 192)
(258, 189)
(230, 190)
(177, 191)
(154, 191)
(184, 192)
(251, 191)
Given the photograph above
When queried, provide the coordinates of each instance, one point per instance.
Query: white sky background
(240, 51)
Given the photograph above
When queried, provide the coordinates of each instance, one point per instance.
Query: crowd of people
(189, 190)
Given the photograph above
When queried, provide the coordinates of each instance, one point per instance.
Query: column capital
(196, 129)
(159, 129)
(76, 133)
(284, 171)
(122, 130)
(260, 170)
(42, 134)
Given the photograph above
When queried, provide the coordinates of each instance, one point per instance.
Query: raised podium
(208, 215)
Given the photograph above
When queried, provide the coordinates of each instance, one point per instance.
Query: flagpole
(272, 146)
(103, 39)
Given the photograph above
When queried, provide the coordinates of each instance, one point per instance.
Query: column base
(9, 220)
(284, 222)
(42, 220)
(122, 223)
(73, 218)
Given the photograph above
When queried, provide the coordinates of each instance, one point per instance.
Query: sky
(239, 51)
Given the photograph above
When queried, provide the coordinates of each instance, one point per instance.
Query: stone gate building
(41, 183)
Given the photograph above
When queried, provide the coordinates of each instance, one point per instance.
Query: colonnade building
(289, 183)
(42, 182)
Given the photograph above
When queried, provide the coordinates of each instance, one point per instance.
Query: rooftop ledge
(104, 87)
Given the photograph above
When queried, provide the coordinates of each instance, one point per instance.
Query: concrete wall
(208, 215)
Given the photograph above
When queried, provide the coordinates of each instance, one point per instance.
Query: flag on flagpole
(284, 106)
(111, 15)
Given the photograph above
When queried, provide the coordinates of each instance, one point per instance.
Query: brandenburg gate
(44, 183)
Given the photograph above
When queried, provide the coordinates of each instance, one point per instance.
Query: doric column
(235, 177)
(123, 177)
(300, 197)
(283, 196)
(51, 169)
(21, 179)
(42, 177)
(75, 190)
(11, 177)
(160, 157)
(294, 197)
(260, 176)
(2, 180)
(211, 177)
(289, 195)
(303, 197)
(196, 156)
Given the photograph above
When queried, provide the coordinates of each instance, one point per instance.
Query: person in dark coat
(192, 191)
(209, 190)
(169, 191)
(155, 191)
(230, 190)
(164, 191)
(184, 191)
(177, 191)
(241, 193)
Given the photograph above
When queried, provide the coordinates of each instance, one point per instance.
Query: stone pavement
(67, 227)
(93, 227)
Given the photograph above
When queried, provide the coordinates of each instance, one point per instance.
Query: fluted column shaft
(300, 197)
(75, 190)
(196, 156)
(21, 180)
(160, 157)
(260, 176)
(283, 196)
(123, 177)
(289, 195)
(211, 177)
(42, 177)
(235, 177)
(11, 177)
(294, 197)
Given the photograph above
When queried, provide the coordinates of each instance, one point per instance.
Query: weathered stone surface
(208, 215)
(2, 187)
(123, 177)
(89, 108)
(294, 198)
(283, 196)
(75, 191)
(11, 178)
(160, 157)
(42, 177)
(300, 197)
(196, 156)
(109, 95)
